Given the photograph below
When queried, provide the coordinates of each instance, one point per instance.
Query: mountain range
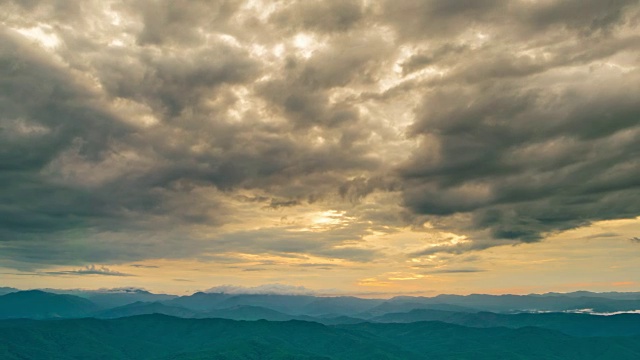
(38, 304)
(135, 324)
(161, 337)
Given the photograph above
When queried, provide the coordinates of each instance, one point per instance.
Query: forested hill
(164, 337)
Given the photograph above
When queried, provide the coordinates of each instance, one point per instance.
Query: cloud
(458, 248)
(522, 181)
(603, 235)
(89, 270)
(163, 130)
(266, 289)
(122, 289)
(145, 266)
(635, 239)
(321, 16)
(528, 146)
(324, 266)
(513, 18)
(168, 21)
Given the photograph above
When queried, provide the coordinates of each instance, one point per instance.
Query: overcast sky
(343, 146)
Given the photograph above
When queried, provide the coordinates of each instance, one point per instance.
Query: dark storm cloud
(78, 136)
(302, 92)
(437, 55)
(275, 204)
(526, 161)
(420, 19)
(358, 188)
(52, 122)
(523, 147)
(174, 82)
(433, 19)
(45, 114)
(126, 139)
(586, 16)
(321, 16)
(179, 21)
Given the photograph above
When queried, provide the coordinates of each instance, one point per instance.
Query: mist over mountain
(107, 298)
(7, 290)
(568, 323)
(515, 303)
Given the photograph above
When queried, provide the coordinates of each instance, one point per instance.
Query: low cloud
(141, 266)
(89, 270)
(266, 289)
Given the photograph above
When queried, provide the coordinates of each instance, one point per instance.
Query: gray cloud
(528, 145)
(603, 235)
(144, 266)
(168, 21)
(322, 16)
(524, 162)
(124, 140)
(436, 20)
(432, 18)
(339, 242)
(89, 270)
(456, 249)
(45, 114)
(453, 271)
(317, 265)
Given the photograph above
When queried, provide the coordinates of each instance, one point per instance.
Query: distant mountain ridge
(7, 290)
(145, 308)
(241, 326)
(39, 304)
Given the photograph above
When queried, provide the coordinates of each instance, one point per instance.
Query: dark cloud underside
(151, 129)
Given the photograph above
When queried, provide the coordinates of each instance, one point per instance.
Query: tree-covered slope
(568, 323)
(35, 304)
(160, 337)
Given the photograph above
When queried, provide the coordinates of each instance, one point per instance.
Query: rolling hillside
(163, 337)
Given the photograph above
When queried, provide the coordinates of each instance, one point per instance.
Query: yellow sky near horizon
(601, 257)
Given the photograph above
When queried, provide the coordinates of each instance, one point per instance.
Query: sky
(355, 147)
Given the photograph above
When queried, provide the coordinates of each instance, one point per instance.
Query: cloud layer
(220, 130)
